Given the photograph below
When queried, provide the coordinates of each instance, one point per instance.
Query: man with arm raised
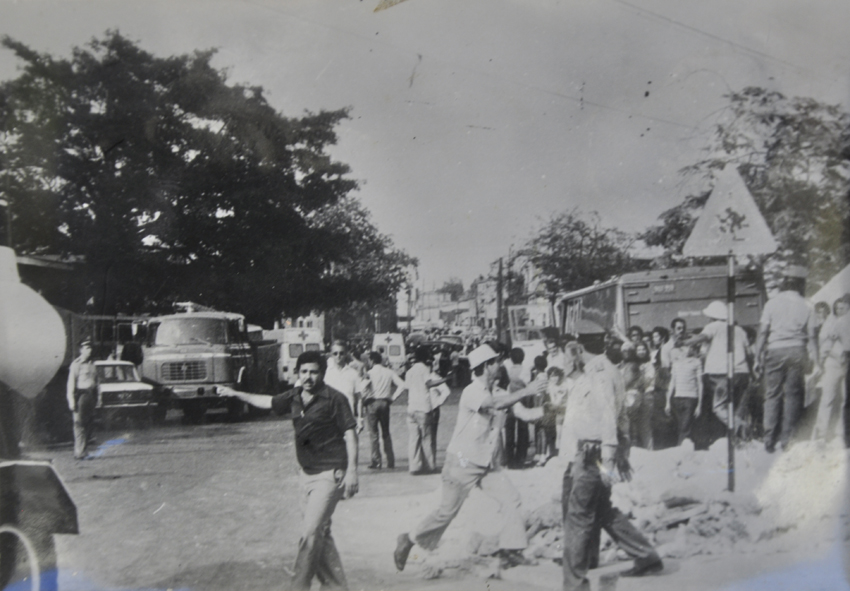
(326, 448)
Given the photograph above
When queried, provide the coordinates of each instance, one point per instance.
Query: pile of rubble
(679, 499)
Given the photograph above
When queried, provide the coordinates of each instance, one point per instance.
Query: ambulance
(293, 342)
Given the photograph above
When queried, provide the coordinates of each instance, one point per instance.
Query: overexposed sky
(473, 119)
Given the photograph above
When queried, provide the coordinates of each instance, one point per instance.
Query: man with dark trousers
(326, 447)
(590, 438)
(786, 344)
(81, 392)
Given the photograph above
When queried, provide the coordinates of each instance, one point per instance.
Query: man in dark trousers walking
(590, 438)
(326, 447)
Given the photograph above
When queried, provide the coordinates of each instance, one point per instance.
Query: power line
(372, 40)
(712, 36)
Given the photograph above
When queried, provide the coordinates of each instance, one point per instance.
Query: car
(121, 390)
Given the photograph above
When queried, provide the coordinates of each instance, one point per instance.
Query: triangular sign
(730, 223)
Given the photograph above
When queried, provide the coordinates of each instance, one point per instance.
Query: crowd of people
(586, 403)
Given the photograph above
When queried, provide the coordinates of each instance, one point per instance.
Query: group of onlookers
(676, 383)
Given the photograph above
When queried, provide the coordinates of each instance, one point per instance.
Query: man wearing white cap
(471, 460)
(715, 333)
(787, 331)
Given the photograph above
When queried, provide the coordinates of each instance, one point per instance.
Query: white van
(293, 342)
(391, 346)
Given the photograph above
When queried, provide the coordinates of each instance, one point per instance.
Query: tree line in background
(171, 184)
(794, 156)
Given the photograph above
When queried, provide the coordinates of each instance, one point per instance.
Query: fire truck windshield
(188, 331)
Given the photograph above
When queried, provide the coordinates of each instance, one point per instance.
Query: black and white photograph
(422, 295)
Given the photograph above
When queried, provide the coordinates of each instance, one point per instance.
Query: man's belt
(582, 443)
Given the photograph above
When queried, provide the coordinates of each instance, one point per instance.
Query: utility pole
(409, 309)
(499, 303)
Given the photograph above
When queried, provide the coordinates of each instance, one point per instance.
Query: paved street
(214, 507)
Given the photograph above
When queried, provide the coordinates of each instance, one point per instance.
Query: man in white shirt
(589, 438)
(787, 332)
(345, 380)
(715, 333)
(420, 451)
(470, 461)
(376, 406)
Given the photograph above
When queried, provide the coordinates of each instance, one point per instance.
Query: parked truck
(200, 356)
(654, 298)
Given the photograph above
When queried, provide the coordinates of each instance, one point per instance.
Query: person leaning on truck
(81, 391)
(326, 448)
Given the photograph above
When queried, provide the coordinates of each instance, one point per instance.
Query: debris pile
(678, 498)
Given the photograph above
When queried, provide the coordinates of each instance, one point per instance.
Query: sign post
(730, 225)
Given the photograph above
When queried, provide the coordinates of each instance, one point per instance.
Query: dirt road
(215, 507)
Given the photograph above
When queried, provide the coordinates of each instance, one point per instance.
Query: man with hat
(787, 332)
(715, 333)
(472, 460)
(81, 391)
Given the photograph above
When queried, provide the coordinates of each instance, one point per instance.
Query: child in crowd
(538, 374)
(553, 415)
(684, 395)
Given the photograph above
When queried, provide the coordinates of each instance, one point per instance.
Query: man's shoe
(374, 467)
(402, 551)
(770, 447)
(512, 558)
(641, 570)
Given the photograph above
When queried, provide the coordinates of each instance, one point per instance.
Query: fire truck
(654, 298)
(200, 355)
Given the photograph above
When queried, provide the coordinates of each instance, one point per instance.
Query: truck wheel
(236, 410)
(272, 383)
(157, 414)
(27, 560)
(193, 412)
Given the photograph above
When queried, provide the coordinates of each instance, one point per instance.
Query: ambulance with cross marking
(391, 347)
(293, 342)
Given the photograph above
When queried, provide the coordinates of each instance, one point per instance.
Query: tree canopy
(454, 287)
(572, 249)
(173, 184)
(794, 156)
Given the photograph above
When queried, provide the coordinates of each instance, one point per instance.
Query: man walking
(376, 407)
(787, 331)
(420, 451)
(471, 460)
(343, 378)
(326, 448)
(589, 436)
(81, 392)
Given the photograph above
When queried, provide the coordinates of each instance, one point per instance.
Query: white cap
(481, 355)
(716, 310)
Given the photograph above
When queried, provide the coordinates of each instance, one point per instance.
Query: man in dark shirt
(326, 447)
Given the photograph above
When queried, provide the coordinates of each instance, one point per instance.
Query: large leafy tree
(794, 156)
(170, 183)
(572, 249)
